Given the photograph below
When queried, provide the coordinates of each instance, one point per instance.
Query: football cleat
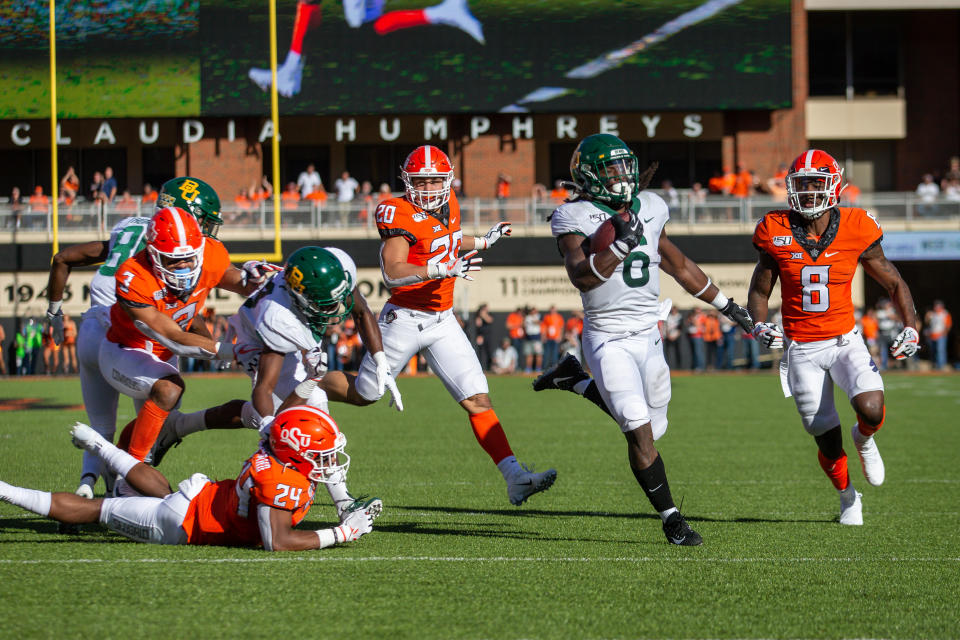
(851, 508)
(525, 483)
(84, 491)
(678, 532)
(289, 77)
(870, 459)
(563, 375)
(373, 506)
(84, 437)
(166, 439)
(456, 13)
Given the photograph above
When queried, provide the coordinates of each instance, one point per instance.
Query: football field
(451, 558)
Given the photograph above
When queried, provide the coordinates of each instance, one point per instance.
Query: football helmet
(814, 183)
(427, 161)
(174, 236)
(321, 289)
(605, 169)
(308, 440)
(197, 197)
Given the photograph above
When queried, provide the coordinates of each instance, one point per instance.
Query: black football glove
(739, 315)
(628, 233)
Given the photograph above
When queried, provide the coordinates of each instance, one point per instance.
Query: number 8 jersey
(816, 274)
(434, 238)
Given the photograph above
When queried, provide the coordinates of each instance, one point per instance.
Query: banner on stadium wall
(922, 245)
(502, 288)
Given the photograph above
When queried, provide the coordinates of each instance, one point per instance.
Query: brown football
(605, 234)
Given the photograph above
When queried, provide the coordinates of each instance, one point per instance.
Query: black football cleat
(679, 532)
(563, 375)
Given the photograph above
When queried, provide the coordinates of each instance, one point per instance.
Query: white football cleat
(851, 509)
(456, 13)
(84, 437)
(525, 483)
(84, 491)
(289, 76)
(870, 459)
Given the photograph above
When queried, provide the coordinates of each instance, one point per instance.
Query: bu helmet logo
(189, 190)
(295, 279)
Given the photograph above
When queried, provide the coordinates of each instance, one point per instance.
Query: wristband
(594, 269)
(305, 388)
(480, 243)
(54, 307)
(327, 537)
(720, 301)
(705, 287)
(616, 251)
(436, 271)
(224, 350)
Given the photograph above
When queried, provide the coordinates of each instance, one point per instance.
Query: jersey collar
(634, 206)
(814, 249)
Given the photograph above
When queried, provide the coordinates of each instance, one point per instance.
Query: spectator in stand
(290, 197)
(69, 351)
(715, 184)
(574, 323)
(711, 338)
(346, 187)
(953, 171)
(456, 186)
(698, 195)
(928, 192)
(539, 193)
(21, 352)
(670, 194)
(559, 193)
(532, 345)
(743, 183)
(51, 352)
(871, 331)
(937, 325)
(671, 337)
(96, 187)
(126, 204)
(309, 181)
(34, 344)
(727, 346)
(109, 190)
(777, 184)
(3, 358)
(317, 198)
(505, 358)
(261, 192)
(951, 189)
(514, 324)
(482, 324)
(16, 207)
(384, 192)
(69, 186)
(889, 326)
(367, 201)
(551, 328)
(149, 195)
(694, 322)
(39, 202)
(503, 192)
(334, 333)
(851, 195)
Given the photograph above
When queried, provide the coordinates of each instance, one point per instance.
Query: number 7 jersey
(816, 274)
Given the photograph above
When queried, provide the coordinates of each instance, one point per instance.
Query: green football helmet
(197, 197)
(321, 289)
(605, 169)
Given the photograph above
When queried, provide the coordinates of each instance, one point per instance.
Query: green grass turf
(450, 558)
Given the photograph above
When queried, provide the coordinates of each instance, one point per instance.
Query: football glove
(256, 271)
(768, 334)
(906, 344)
(628, 233)
(496, 232)
(55, 319)
(358, 523)
(386, 381)
(738, 314)
(459, 268)
(315, 362)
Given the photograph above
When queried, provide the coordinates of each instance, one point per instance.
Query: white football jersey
(628, 301)
(267, 320)
(126, 238)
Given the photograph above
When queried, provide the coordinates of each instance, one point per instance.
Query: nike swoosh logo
(828, 254)
(557, 381)
(198, 292)
(523, 484)
(648, 219)
(655, 488)
(246, 350)
(677, 540)
(657, 341)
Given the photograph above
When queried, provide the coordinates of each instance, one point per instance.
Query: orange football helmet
(427, 161)
(174, 236)
(308, 440)
(814, 183)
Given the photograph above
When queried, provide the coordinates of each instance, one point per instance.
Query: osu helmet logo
(294, 438)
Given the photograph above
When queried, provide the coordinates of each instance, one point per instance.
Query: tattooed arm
(877, 266)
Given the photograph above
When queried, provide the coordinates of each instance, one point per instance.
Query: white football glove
(357, 523)
(385, 381)
(459, 268)
(55, 318)
(768, 334)
(257, 271)
(224, 350)
(496, 232)
(315, 362)
(906, 344)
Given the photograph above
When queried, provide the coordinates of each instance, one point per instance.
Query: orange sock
(868, 430)
(396, 20)
(836, 470)
(124, 441)
(490, 435)
(307, 16)
(146, 428)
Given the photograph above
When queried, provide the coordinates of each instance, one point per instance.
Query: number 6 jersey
(816, 274)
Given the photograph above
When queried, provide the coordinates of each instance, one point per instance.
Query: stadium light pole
(54, 191)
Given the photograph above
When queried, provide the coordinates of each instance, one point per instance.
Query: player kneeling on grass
(272, 494)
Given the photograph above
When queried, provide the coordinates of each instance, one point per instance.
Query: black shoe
(563, 375)
(166, 440)
(679, 532)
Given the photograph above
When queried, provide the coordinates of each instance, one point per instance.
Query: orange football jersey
(139, 287)
(432, 240)
(225, 513)
(816, 273)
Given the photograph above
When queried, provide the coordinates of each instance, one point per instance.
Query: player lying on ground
(261, 507)
(612, 238)
(814, 248)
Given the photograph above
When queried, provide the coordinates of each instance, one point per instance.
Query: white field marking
(272, 558)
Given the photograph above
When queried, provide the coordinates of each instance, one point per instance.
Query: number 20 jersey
(629, 300)
(816, 275)
(432, 240)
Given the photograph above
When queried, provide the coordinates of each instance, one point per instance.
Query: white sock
(117, 460)
(29, 499)
(292, 60)
(186, 423)
(858, 437)
(666, 514)
(581, 386)
(509, 467)
(339, 494)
